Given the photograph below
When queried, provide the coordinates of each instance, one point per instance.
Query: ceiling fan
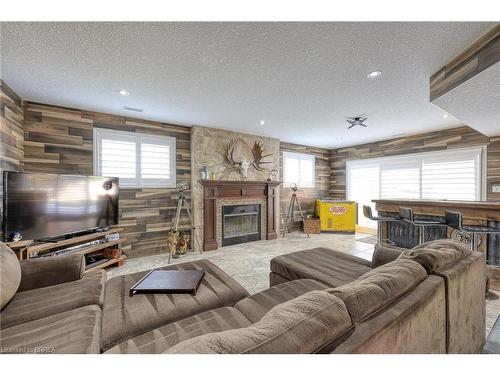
(357, 121)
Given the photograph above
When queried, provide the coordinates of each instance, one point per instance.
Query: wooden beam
(482, 54)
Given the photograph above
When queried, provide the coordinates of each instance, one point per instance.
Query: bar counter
(474, 213)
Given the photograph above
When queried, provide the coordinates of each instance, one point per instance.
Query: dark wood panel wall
(59, 140)
(307, 196)
(11, 135)
(440, 140)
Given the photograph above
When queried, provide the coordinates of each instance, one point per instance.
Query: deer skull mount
(244, 164)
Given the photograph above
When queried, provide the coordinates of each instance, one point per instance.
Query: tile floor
(249, 263)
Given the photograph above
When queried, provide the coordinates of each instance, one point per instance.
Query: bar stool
(367, 211)
(406, 214)
(455, 220)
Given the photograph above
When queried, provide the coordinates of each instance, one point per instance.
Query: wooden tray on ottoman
(169, 281)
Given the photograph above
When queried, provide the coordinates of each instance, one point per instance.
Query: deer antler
(229, 153)
(257, 151)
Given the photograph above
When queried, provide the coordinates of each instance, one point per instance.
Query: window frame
(481, 174)
(300, 154)
(138, 139)
(480, 178)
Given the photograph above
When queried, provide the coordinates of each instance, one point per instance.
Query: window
(139, 160)
(299, 169)
(452, 174)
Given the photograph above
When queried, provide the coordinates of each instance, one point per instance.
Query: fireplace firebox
(241, 224)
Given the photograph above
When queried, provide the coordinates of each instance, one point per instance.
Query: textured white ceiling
(302, 79)
(476, 101)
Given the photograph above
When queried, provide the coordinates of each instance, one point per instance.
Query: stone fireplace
(207, 149)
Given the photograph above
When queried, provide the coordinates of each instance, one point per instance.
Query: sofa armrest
(385, 254)
(42, 272)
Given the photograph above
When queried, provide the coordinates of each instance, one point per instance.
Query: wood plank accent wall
(493, 174)
(440, 140)
(11, 135)
(307, 197)
(60, 140)
(481, 55)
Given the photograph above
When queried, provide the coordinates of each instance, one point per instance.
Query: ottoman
(125, 317)
(330, 267)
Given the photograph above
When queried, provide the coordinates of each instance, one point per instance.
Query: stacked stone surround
(207, 148)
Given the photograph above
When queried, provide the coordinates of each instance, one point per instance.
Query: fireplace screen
(240, 224)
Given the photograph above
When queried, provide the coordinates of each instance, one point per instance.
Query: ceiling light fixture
(446, 115)
(123, 92)
(374, 74)
(262, 122)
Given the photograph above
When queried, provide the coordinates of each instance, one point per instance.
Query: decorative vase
(204, 172)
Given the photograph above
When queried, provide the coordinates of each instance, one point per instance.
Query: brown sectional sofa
(51, 306)
(463, 274)
(309, 323)
(321, 301)
(95, 313)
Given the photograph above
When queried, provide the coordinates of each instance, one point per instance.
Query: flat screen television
(43, 206)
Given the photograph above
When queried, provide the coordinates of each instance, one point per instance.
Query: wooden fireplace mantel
(213, 190)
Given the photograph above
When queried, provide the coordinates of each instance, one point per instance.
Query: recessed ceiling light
(262, 122)
(446, 115)
(123, 92)
(374, 74)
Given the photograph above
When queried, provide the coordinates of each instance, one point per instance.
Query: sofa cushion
(125, 317)
(330, 267)
(438, 254)
(76, 331)
(163, 338)
(10, 274)
(380, 287)
(385, 254)
(39, 303)
(257, 305)
(46, 271)
(302, 325)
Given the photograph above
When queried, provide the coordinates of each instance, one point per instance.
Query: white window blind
(400, 179)
(452, 175)
(364, 184)
(299, 169)
(139, 160)
(456, 176)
